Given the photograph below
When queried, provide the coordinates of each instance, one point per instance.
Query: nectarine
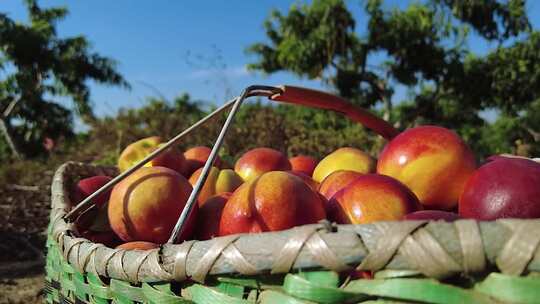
(371, 198)
(196, 157)
(307, 179)
(218, 181)
(94, 219)
(337, 181)
(303, 163)
(502, 188)
(347, 158)
(274, 201)
(138, 245)
(210, 215)
(86, 186)
(260, 160)
(146, 205)
(432, 161)
(135, 152)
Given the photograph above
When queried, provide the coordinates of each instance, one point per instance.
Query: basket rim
(435, 248)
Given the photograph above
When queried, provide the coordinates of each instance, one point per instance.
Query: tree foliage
(424, 47)
(290, 129)
(38, 65)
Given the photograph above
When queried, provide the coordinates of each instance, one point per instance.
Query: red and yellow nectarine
(146, 205)
(347, 158)
(371, 198)
(337, 181)
(135, 152)
(274, 201)
(432, 161)
(260, 160)
(218, 181)
(196, 157)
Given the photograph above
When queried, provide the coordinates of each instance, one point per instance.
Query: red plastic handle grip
(322, 100)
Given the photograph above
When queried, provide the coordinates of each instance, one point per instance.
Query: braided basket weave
(417, 261)
(386, 262)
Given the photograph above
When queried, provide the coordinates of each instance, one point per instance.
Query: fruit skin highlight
(218, 181)
(255, 162)
(432, 161)
(371, 198)
(146, 205)
(502, 188)
(274, 201)
(303, 163)
(347, 158)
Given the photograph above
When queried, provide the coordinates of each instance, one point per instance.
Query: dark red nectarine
(502, 188)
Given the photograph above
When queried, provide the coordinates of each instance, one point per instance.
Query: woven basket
(386, 262)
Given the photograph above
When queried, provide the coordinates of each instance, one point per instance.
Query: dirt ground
(24, 215)
(22, 290)
(21, 269)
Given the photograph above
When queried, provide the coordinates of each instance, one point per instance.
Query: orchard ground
(24, 215)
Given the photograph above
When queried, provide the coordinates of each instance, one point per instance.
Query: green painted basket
(386, 262)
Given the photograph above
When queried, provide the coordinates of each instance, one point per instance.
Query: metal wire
(86, 204)
(256, 90)
(192, 200)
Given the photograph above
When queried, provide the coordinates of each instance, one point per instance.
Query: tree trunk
(5, 132)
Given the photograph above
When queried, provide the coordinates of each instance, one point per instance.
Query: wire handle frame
(288, 94)
(284, 93)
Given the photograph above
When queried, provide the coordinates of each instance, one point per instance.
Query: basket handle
(289, 94)
(322, 100)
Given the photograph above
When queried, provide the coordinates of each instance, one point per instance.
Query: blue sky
(184, 46)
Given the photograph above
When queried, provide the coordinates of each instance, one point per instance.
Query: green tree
(38, 65)
(424, 48)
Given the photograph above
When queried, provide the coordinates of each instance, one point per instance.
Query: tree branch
(534, 134)
(23, 188)
(5, 131)
(10, 108)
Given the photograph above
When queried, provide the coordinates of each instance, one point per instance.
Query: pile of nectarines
(424, 173)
